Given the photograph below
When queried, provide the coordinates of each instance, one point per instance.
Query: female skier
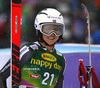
(42, 66)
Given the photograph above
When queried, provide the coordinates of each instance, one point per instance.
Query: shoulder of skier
(26, 52)
(64, 59)
(27, 48)
(60, 54)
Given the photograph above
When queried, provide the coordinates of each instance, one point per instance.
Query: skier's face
(51, 39)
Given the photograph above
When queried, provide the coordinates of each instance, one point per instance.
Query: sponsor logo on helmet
(54, 17)
(48, 57)
(54, 21)
(34, 76)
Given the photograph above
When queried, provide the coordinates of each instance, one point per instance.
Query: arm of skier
(61, 78)
(4, 74)
(25, 54)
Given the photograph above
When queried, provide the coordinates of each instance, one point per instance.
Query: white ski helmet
(49, 15)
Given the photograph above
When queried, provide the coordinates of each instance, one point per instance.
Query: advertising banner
(74, 52)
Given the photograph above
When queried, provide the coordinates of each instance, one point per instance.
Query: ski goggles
(48, 29)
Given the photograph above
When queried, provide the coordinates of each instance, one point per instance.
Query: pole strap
(83, 73)
(95, 81)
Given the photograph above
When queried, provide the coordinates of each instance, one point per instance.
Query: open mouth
(51, 38)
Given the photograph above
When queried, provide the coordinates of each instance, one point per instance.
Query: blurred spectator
(4, 23)
(97, 4)
(3, 26)
(96, 36)
(78, 29)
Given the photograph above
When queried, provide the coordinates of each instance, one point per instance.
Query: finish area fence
(74, 52)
